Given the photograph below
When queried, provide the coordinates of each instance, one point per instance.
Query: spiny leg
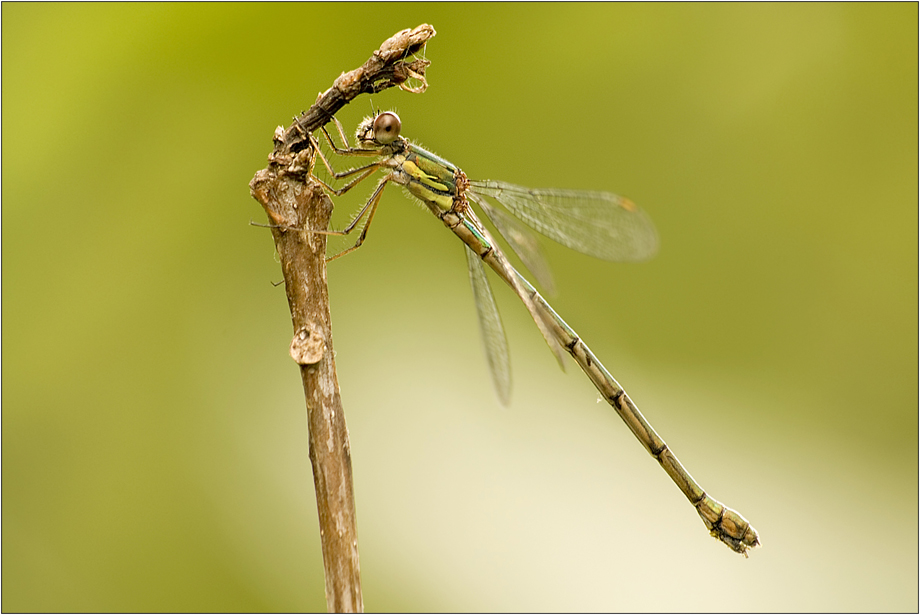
(341, 174)
(370, 208)
(363, 172)
(338, 126)
(347, 150)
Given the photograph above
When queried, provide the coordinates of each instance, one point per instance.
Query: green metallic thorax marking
(432, 163)
(430, 178)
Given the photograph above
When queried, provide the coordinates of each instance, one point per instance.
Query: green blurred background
(154, 440)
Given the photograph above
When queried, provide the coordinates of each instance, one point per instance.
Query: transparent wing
(522, 241)
(490, 325)
(599, 224)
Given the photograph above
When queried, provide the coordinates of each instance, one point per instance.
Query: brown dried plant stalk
(294, 202)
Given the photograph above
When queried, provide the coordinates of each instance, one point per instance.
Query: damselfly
(599, 224)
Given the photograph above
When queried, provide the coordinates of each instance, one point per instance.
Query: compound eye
(386, 127)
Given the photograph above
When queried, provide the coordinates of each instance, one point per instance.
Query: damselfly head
(382, 129)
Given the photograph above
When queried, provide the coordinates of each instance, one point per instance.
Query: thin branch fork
(293, 201)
